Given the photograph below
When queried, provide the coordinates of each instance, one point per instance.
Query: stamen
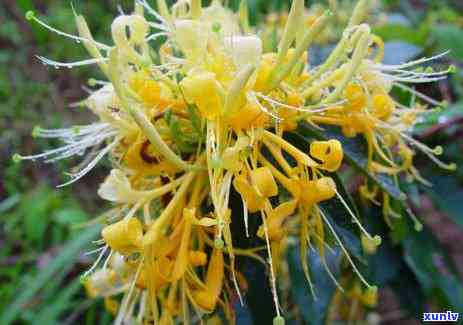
(95, 264)
(431, 153)
(354, 267)
(331, 275)
(30, 15)
(156, 36)
(270, 262)
(253, 98)
(65, 151)
(309, 109)
(376, 238)
(246, 217)
(110, 255)
(125, 301)
(70, 65)
(152, 12)
(83, 172)
(94, 82)
(418, 224)
(160, 27)
(94, 251)
(418, 94)
(411, 63)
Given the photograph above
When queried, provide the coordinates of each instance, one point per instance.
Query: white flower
(244, 49)
(102, 102)
(117, 188)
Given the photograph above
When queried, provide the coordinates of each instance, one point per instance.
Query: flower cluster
(203, 115)
(272, 27)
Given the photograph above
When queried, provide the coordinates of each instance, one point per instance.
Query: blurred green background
(42, 233)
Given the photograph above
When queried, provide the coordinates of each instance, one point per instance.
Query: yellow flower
(383, 106)
(253, 199)
(124, 236)
(319, 190)
(264, 182)
(203, 90)
(207, 297)
(329, 153)
(247, 117)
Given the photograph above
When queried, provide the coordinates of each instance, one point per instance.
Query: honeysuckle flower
(205, 114)
(117, 188)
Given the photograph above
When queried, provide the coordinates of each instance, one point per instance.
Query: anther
(216, 162)
(279, 320)
(218, 243)
(377, 240)
(418, 226)
(216, 27)
(92, 82)
(30, 15)
(36, 131)
(16, 158)
(438, 150)
(452, 166)
(76, 129)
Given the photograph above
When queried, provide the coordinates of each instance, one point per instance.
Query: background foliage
(42, 233)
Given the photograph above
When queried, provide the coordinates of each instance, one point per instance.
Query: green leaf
(70, 216)
(449, 37)
(344, 227)
(35, 220)
(409, 291)
(427, 260)
(398, 52)
(400, 230)
(51, 311)
(355, 153)
(438, 119)
(383, 266)
(9, 202)
(394, 32)
(314, 311)
(447, 195)
(66, 257)
(258, 296)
